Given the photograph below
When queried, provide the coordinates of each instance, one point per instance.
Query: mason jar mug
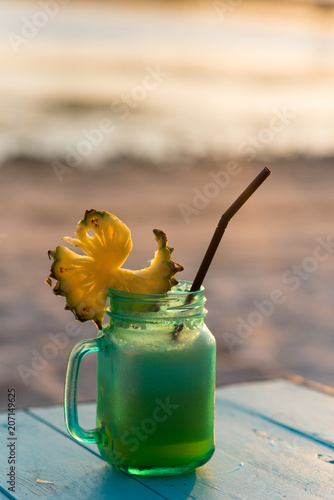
(155, 383)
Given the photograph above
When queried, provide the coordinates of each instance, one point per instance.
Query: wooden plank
(54, 416)
(291, 404)
(256, 457)
(4, 496)
(72, 471)
(297, 379)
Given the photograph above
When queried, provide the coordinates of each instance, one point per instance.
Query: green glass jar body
(156, 382)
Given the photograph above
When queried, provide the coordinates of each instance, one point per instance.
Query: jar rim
(179, 304)
(175, 290)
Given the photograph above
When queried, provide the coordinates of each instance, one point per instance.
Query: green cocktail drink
(156, 357)
(156, 381)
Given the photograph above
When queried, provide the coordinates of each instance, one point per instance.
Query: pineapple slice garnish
(85, 279)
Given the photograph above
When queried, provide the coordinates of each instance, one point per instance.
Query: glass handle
(70, 394)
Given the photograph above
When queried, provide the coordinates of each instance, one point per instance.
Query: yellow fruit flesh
(85, 279)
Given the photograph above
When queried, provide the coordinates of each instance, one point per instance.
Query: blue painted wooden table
(274, 439)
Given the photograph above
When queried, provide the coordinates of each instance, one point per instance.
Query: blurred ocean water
(173, 82)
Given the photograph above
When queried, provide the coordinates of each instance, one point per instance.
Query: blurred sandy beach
(140, 110)
(269, 246)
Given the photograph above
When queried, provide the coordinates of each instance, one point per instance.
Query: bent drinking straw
(222, 224)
